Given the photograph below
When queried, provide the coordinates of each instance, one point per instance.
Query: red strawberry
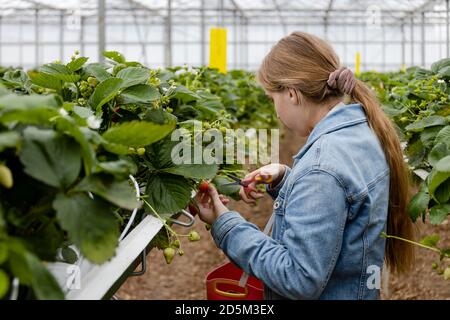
(203, 187)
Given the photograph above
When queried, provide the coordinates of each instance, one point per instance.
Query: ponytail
(399, 254)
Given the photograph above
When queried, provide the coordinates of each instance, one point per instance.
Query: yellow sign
(358, 64)
(218, 49)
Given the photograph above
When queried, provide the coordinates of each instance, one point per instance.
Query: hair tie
(342, 79)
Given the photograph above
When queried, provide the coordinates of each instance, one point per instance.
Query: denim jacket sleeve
(299, 265)
(273, 192)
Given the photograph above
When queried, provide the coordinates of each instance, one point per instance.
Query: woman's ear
(293, 96)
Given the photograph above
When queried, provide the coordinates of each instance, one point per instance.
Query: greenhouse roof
(275, 11)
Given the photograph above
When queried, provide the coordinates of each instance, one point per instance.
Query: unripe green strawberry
(434, 265)
(169, 253)
(169, 110)
(6, 178)
(176, 243)
(140, 151)
(180, 253)
(194, 236)
(447, 273)
(77, 52)
(131, 150)
(92, 81)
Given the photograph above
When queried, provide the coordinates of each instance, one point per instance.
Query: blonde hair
(304, 63)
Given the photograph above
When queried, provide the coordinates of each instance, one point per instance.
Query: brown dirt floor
(185, 277)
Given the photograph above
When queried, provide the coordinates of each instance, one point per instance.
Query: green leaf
(50, 158)
(168, 194)
(438, 152)
(77, 64)
(195, 171)
(442, 193)
(104, 92)
(31, 116)
(90, 224)
(9, 139)
(429, 135)
(444, 72)
(415, 152)
(120, 168)
(435, 67)
(431, 240)
(31, 271)
(60, 72)
(392, 111)
(159, 116)
(137, 133)
(45, 80)
(439, 213)
(30, 109)
(426, 122)
(435, 179)
(15, 102)
(4, 283)
(132, 76)
(184, 94)
(141, 93)
(115, 56)
(443, 136)
(419, 204)
(17, 79)
(118, 193)
(443, 165)
(68, 126)
(119, 149)
(98, 71)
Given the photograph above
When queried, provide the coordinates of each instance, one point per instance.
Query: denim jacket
(330, 209)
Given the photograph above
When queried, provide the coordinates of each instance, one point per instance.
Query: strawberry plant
(71, 135)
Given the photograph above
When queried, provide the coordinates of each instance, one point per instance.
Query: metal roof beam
(424, 6)
(238, 8)
(277, 8)
(40, 5)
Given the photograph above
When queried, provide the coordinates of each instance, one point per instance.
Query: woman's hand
(271, 173)
(211, 205)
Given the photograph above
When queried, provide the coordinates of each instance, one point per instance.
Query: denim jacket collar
(339, 117)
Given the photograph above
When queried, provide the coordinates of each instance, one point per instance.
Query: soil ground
(185, 277)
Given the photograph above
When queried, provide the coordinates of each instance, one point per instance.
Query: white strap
(266, 231)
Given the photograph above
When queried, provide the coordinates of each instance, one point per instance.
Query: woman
(348, 184)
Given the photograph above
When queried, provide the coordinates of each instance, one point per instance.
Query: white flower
(93, 122)
(441, 81)
(63, 112)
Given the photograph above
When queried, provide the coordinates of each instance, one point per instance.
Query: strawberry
(169, 253)
(6, 178)
(140, 151)
(176, 243)
(194, 236)
(203, 187)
